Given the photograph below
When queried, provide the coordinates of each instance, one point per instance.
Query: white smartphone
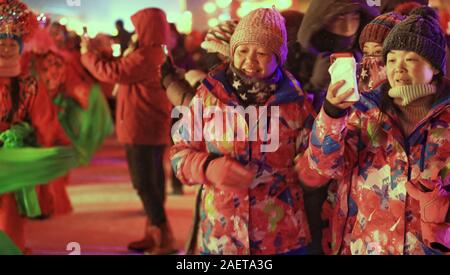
(165, 49)
(343, 67)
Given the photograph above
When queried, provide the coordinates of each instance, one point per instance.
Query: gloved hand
(217, 39)
(434, 204)
(168, 68)
(227, 174)
(320, 78)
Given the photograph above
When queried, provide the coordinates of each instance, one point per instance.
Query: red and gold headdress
(17, 20)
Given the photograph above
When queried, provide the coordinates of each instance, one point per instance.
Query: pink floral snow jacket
(368, 206)
(269, 217)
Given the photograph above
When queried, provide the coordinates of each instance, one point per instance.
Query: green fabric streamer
(88, 128)
(22, 167)
(7, 247)
(21, 135)
(27, 167)
(28, 202)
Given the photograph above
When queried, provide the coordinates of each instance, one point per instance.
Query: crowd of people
(301, 170)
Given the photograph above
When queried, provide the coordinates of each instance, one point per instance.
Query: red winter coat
(143, 110)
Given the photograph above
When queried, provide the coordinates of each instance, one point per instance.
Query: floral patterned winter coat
(269, 217)
(368, 206)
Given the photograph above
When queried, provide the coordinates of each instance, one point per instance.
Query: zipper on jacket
(422, 153)
(250, 150)
(424, 141)
(426, 119)
(250, 153)
(407, 150)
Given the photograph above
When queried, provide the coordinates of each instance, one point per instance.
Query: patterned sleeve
(332, 149)
(188, 155)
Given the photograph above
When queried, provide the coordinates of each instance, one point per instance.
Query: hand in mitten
(217, 39)
(435, 203)
(227, 174)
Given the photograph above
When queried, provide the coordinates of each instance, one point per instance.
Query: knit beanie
(390, 5)
(406, 8)
(264, 27)
(419, 32)
(378, 29)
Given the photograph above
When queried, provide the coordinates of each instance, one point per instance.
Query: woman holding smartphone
(389, 151)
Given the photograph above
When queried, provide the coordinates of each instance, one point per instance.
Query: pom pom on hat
(378, 29)
(217, 39)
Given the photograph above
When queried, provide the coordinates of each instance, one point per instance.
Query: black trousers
(176, 183)
(145, 164)
(314, 199)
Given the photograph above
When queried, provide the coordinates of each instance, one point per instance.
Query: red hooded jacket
(143, 110)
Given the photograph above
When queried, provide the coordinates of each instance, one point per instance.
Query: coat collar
(288, 91)
(370, 102)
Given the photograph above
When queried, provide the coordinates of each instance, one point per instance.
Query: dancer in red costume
(22, 99)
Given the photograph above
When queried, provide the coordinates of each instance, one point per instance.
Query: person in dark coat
(328, 26)
(123, 37)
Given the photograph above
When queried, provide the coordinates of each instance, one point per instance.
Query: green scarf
(21, 135)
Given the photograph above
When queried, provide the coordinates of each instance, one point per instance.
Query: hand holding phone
(165, 49)
(84, 45)
(343, 67)
(85, 32)
(168, 67)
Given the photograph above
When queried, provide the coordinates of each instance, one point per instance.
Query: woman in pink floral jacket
(252, 202)
(390, 151)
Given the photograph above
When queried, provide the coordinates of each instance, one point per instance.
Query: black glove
(167, 68)
(320, 78)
